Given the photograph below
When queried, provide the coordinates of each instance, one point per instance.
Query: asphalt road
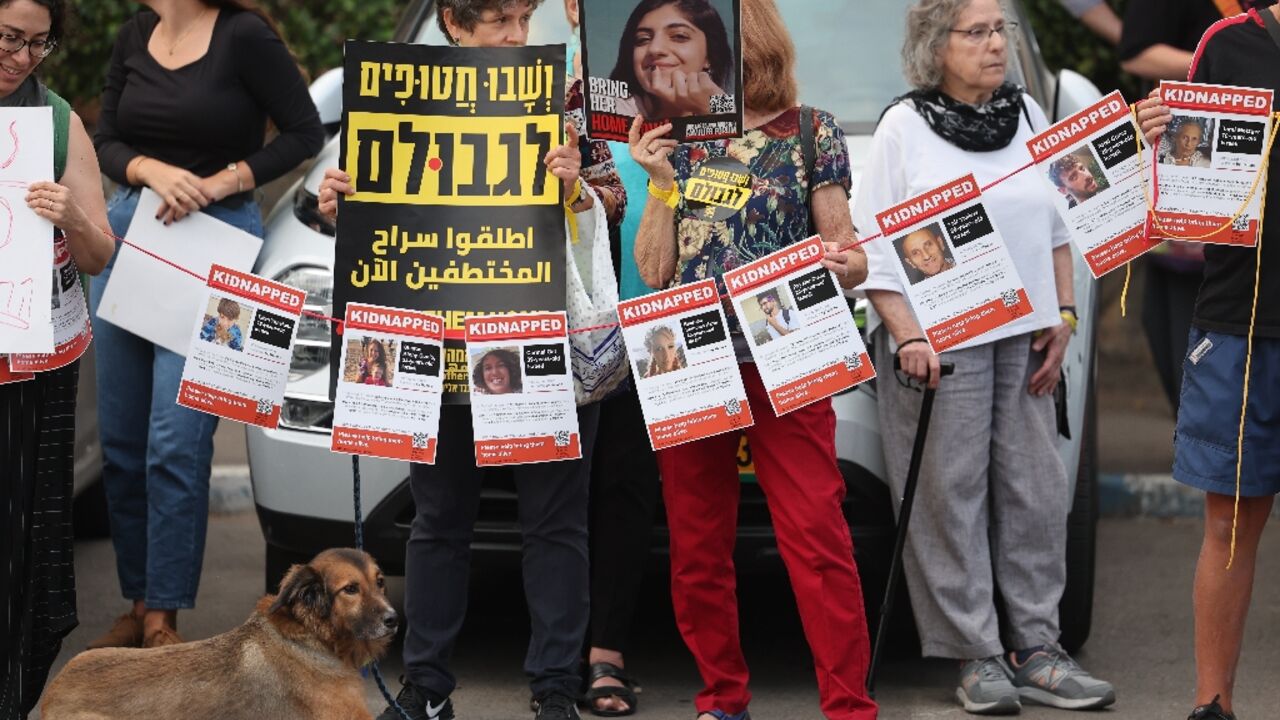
(1141, 639)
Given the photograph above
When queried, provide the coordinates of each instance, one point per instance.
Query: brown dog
(297, 656)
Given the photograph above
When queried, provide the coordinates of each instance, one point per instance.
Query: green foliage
(314, 30)
(1066, 43)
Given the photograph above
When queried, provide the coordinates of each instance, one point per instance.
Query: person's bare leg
(611, 703)
(1221, 596)
(139, 610)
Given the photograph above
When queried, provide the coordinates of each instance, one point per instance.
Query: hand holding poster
(957, 271)
(802, 334)
(238, 362)
(668, 62)
(26, 239)
(454, 212)
(196, 243)
(388, 399)
(1209, 164)
(522, 402)
(1090, 161)
(72, 331)
(686, 373)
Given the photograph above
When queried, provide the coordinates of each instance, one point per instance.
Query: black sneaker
(418, 703)
(1212, 711)
(556, 706)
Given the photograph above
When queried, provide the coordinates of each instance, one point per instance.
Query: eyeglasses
(39, 49)
(982, 33)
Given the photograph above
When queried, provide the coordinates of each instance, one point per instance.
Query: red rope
(458, 334)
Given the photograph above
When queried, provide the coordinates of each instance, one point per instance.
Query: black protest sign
(455, 213)
(669, 62)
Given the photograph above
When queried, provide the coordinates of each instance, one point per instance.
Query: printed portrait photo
(670, 59)
(1187, 142)
(496, 371)
(226, 323)
(924, 253)
(1078, 176)
(663, 352)
(370, 361)
(771, 313)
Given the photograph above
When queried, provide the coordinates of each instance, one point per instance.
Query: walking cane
(904, 519)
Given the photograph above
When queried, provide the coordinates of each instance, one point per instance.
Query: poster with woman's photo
(677, 61)
(799, 326)
(1092, 164)
(391, 381)
(959, 277)
(687, 374)
(1209, 164)
(523, 408)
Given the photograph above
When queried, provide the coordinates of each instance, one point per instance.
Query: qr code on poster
(852, 362)
(562, 438)
(723, 104)
(1240, 224)
(264, 407)
(733, 407)
(420, 441)
(1009, 298)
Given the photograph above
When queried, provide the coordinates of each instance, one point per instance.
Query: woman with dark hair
(373, 366)
(189, 90)
(497, 373)
(675, 57)
(37, 415)
(794, 454)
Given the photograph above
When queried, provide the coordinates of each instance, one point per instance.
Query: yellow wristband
(575, 196)
(1070, 319)
(671, 198)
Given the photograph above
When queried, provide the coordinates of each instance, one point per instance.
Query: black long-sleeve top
(211, 112)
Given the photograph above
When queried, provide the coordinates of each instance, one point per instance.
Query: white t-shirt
(907, 158)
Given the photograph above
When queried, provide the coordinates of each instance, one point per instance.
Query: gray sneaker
(985, 688)
(1051, 677)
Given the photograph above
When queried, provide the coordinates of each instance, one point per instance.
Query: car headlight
(306, 207)
(311, 349)
(305, 414)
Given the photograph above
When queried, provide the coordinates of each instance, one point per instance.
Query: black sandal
(625, 692)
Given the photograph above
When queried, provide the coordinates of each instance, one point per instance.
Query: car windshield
(848, 58)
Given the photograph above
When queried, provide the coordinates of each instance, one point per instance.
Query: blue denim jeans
(156, 454)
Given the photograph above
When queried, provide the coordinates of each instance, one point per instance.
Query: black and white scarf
(975, 128)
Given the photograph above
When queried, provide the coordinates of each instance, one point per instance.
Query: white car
(848, 64)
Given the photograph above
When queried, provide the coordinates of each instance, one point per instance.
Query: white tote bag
(599, 356)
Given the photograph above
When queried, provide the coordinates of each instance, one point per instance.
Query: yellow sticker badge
(719, 189)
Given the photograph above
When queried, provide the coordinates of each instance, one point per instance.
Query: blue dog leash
(373, 666)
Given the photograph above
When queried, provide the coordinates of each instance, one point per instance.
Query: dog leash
(373, 665)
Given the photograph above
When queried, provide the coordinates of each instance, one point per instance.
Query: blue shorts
(1204, 443)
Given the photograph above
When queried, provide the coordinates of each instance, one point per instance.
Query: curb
(1153, 496)
(230, 490)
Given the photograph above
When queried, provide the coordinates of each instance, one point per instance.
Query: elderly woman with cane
(993, 501)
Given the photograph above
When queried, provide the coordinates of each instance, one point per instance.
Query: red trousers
(795, 463)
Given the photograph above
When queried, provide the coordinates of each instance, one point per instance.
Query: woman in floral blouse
(681, 241)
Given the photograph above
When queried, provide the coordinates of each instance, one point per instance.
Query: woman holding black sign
(553, 497)
(794, 454)
(993, 511)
